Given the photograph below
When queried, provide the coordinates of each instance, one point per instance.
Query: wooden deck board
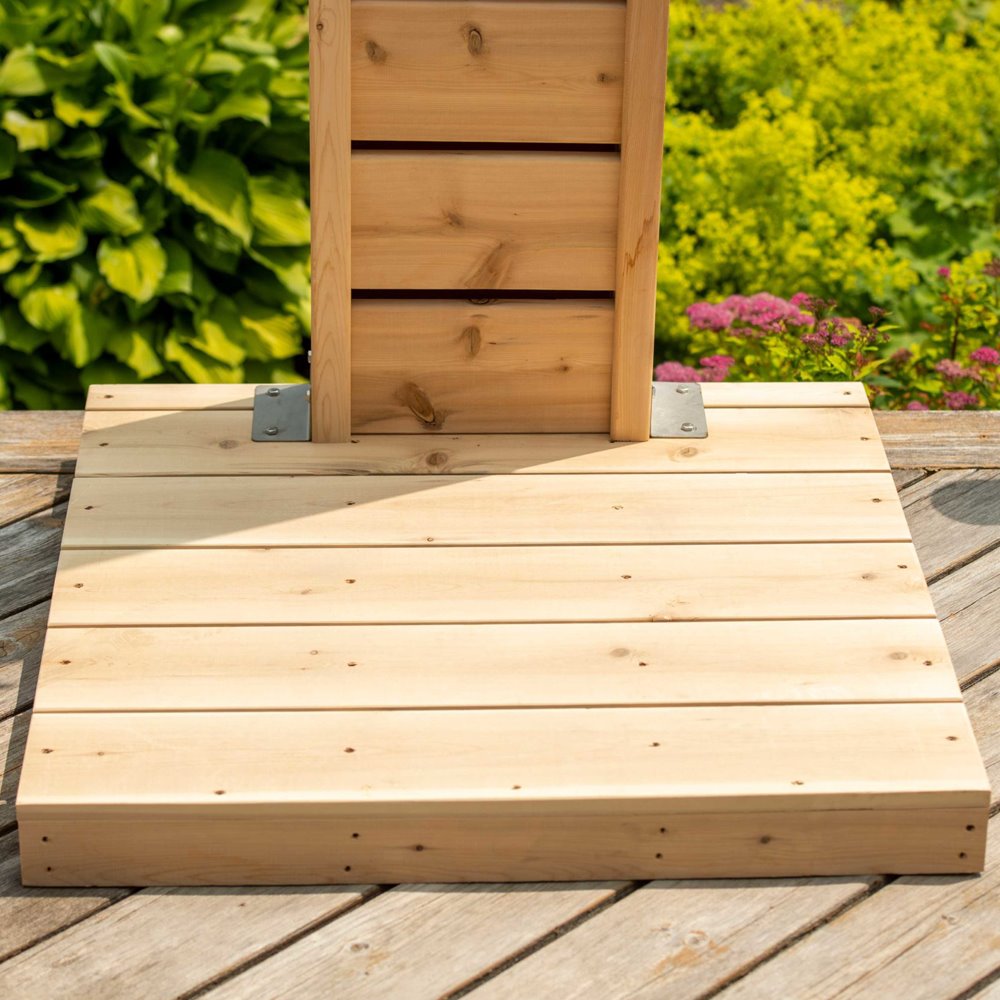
(938, 975)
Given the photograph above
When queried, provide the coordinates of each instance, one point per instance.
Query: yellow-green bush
(847, 150)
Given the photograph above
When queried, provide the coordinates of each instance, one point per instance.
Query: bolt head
(270, 431)
(274, 391)
(683, 389)
(687, 427)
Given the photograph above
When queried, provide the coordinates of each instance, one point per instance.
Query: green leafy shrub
(846, 150)
(153, 182)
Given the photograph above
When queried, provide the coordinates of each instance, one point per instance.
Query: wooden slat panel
(144, 846)
(535, 367)
(599, 760)
(431, 511)
(330, 182)
(638, 217)
(24, 495)
(240, 397)
(217, 443)
(506, 584)
(454, 666)
(39, 442)
(942, 439)
(484, 220)
(487, 72)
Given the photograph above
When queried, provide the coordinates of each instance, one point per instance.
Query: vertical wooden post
(330, 183)
(638, 217)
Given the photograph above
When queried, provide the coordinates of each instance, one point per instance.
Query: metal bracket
(281, 413)
(678, 411)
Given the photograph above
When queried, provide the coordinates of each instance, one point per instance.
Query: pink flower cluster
(714, 368)
(986, 356)
(960, 400)
(766, 312)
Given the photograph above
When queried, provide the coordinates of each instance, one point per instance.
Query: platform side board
(492, 657)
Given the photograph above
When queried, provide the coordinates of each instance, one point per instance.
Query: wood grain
(768, 395)
(483, 220)
(330, 184)
(941, 439)
(23, 495)
(456, 666)
(29, 547)
(431, 511)
(486, 72)
(36, 441)
(21, 638)
(638, 217)
(154, 443)
(511, 584)
(512, 366)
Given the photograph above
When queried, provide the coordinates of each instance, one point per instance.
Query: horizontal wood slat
(217, 443)
(740, 395)
(535, 367)
(139, 849)
(507, 584)
(431, 511)
(666, 759)
(486, 72)
(457, 666)
(483, 220)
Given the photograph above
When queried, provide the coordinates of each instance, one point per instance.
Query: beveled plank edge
(720, 395)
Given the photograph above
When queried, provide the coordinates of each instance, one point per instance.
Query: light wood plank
(330, 182)
(508, 584)
(156, 847)
(512, 366)
(514, 762)
(455, 666)
(942, 439)
(171, 941)
(23, 495)
(21, 638)
(156, 396)
(483, 220)
(34, 441)
(419, 943)
(638, 217)
(182, 443)
(431, 511)
(487, 72)
(921, 938)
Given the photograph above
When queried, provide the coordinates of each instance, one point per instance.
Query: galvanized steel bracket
(678, 411)
(281, 413)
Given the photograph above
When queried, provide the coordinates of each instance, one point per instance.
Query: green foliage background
(154, 174)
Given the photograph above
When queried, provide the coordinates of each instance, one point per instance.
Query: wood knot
(375, 52)
(474, 340)
(474, 39)
(419, 404)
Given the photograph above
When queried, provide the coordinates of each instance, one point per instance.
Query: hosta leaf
(16, 284)
(253, 107)
(54, 233)
(51, 309)
(9, 259)
(115, 60)
(144, 17)
(84, 337)
(18, 334)
(178, 279)
(216, 185)
(112, 209)
(8, 155)
(268, 333)
(196, 365)
(83, 145)
(133, 266)
(220, 62)
(217, 330)
(133, 347)
(290, 265)
(104, 371)
(272, 371)
(280, 215)
(73, 110)
(216, 247)
(22, 75)
(31, 133)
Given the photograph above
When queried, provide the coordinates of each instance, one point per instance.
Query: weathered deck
(871, 936)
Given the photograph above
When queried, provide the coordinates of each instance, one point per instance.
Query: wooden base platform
(492, 657)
